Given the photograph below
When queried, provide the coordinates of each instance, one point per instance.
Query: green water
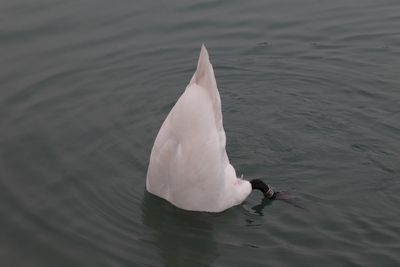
(311, 103)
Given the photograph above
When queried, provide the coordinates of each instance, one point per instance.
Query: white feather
(188, 165)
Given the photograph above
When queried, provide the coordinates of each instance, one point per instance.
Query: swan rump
(188, 165)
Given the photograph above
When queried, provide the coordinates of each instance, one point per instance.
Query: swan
(189, 166)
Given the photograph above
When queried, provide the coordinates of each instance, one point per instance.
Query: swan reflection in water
(183, 238)
(284, 196)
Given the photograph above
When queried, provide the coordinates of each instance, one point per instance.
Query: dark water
(311, 104)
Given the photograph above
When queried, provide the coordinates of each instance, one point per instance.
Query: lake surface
(311, 103)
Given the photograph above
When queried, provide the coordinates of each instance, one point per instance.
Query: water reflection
(182, 238)
(284, 196)
(260, 207)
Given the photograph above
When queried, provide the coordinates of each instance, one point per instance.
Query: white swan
(188, 165)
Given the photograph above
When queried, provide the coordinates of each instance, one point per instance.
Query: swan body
(189, 165)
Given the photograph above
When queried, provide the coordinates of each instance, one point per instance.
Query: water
(311, 104)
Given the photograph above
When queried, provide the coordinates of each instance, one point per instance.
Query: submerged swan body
(189, 165)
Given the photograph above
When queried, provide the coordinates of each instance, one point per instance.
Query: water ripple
(86, 86)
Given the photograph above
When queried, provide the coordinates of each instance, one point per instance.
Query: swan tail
(204, 75)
